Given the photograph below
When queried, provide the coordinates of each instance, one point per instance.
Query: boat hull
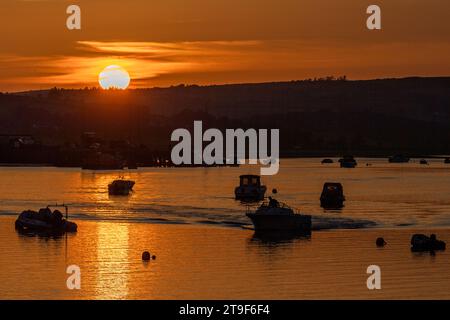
(332, 203)
(41, 226)
(44, 221)
(120, 188)
(294, 223)
(250, 194)
(348, 165)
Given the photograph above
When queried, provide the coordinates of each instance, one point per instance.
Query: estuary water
(204, 249)
(379, 194)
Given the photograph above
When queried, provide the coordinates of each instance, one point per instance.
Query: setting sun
(114, 77)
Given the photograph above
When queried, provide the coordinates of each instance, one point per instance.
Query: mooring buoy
(380, 242)
(146, 256)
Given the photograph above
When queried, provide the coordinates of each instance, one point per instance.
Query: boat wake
(329, 223)
(170, 214)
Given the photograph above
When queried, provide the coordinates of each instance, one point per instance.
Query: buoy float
(380, 242)
(146, 256)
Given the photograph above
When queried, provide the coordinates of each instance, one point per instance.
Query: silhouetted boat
(250, 188)
(398, 158)
(332, 196)
(423, 161)
(327, 161)
(348, 162)
(421, 242)
(45, 221)
(120, 187)
(447, 160)
(273, 217)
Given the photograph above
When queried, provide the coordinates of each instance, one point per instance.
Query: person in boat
(57, 218)
(273, 203)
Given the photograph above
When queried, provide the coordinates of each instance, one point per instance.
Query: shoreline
(300, 155)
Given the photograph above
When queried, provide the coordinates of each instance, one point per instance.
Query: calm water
(200, 262)
(189, 219)
(388, 195)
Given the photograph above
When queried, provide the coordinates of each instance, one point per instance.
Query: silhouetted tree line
(328, 116)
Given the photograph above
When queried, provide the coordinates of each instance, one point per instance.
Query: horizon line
(317, 79)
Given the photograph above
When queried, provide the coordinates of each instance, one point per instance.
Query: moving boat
(332, 196)
(327, 161)
(447, 161)
(398, 158)
(275, 216)
(120, 187)
(423, 161)
(250, 188)
(348, 162)
(45, 221)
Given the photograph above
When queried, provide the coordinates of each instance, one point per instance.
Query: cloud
(214, 62)
(143, 60)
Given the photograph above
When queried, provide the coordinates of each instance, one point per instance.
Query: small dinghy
(327, 161)
(45, 221)
(421, 242)
(120, 187)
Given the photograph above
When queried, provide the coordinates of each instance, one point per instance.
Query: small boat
(120, 187)
(278, 217)
(348, 162)
(250, 188)
(447, 161)
(327, 161)
(423, 161)
(45, 221)
(398, 158)
(421, 242)
(332, 196)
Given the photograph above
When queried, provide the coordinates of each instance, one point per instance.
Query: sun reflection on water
(112, 249)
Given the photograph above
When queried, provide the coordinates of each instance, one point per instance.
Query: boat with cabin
(348, 162)
(275, 216)
(120, 187)
(332, 196)
(250, 188)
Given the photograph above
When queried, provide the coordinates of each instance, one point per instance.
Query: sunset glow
(114, 77)
(267, 154)
(206, 45)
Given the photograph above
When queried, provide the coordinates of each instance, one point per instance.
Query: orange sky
(167, 42)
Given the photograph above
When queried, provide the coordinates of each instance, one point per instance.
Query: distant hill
(410, 115)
